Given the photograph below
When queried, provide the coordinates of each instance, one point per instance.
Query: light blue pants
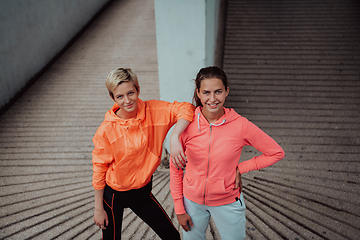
(229, 220)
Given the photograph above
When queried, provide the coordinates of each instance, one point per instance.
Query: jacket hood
(110, 116)
(229, 116)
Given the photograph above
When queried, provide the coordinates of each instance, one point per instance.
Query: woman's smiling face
(212, 94)
(126, 97)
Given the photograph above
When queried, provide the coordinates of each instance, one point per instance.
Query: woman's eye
(119, 97)
(131, 93)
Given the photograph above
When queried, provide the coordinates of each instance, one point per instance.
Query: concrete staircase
(294, 68)
(294, 71)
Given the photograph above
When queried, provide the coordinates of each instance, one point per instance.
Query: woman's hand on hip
(238, 183)
(185, 221)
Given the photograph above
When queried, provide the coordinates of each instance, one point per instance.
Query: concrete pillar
(186, 34)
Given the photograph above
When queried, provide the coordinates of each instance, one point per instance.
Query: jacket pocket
(217, 188)
(194, 185)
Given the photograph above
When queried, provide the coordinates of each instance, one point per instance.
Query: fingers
(102, 226)
(183, 157)
(191, 223)
(185, 221)
(240, 186)
(237, 182)
(180, 161)
(176, 163)
(185, 227)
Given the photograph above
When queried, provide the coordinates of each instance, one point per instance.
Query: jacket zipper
(207, 172)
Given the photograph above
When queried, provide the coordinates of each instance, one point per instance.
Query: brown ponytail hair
(206, 73)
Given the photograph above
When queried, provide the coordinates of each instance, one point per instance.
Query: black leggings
(144, 204)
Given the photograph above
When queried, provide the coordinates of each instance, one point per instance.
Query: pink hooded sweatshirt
(213, 152)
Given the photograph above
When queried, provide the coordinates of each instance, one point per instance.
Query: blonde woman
(128, 146)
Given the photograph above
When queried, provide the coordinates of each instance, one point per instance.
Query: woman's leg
(115, 215)
(152, 213)
(230, 219)
(200, 217)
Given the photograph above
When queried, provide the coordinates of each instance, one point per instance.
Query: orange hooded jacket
(127, 152)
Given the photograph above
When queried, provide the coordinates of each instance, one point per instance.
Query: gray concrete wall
(32, 32)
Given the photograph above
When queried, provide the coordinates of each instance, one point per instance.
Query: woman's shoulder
(153, 103)
(234, 115)
(104, 127)
(161, 104)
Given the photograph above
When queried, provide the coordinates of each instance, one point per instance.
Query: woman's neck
(125, 115)
(213, 117)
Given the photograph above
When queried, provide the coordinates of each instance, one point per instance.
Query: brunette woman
(212, 144)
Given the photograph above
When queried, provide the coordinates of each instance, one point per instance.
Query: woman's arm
(176, 187)
(102, 155)
(183, 114)
(100, 216)
(271, 150)
(176, 150)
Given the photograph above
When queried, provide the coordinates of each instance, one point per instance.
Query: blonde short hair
(118, 76)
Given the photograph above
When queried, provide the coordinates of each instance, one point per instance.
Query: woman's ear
(227, 91)
(197, 93)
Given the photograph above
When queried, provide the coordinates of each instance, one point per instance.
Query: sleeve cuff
(179, 206)
(246, 166)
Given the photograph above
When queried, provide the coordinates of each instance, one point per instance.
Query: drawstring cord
(216, 125)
